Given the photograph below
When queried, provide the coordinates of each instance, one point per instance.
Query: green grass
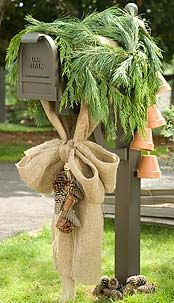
(27, 274)
(158, 151)
(10, 127)
(12, 152)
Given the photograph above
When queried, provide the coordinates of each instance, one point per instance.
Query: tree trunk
(2, 94)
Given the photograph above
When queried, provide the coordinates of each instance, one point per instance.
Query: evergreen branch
(124, 78)
(12, 57)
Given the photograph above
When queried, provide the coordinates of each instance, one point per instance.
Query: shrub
(168, 129)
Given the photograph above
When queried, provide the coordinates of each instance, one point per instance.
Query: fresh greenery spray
(113, 81)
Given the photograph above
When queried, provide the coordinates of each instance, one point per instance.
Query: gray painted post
(127, 206)
(2, 94)
(127, 218)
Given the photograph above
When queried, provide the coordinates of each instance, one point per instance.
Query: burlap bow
(77, 255)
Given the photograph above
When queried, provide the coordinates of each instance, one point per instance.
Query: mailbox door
(38, 70)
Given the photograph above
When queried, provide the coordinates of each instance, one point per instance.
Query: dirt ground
(31, 138)
(35, 138)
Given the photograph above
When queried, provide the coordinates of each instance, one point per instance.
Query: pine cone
(136, 281)
(77, 193)
(104, 281)
(148, 288)
(112, 293)
(67, 193)
(113, 283)
(59, 181)
(64, 225)
(121, 288)
(116, 294)
(129, 289)
(69, 202)
(98, 291)
(59, 201)
(71, 216)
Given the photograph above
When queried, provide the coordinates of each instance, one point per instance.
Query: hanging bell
(155, 118)
(165, 87)
(143, 142)
(148, 167)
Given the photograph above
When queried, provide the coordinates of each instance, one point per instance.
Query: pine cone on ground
(113, 283)
(111, 288)
(104, 281)
(129, 289)
(112, 293)
(136, 281)
(121, 288)
(98, 291)
(148, 288)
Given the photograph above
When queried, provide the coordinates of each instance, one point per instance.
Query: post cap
(132, 8)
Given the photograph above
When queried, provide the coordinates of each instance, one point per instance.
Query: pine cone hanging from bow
(64, 225)
(67, 194)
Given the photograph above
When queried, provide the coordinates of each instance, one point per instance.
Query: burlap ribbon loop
(91, 165)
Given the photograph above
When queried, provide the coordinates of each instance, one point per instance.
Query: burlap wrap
(77, 255)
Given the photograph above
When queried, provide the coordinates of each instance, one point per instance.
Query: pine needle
(113, 81)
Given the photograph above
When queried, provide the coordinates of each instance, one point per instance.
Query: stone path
(20, 208)
(167, 179)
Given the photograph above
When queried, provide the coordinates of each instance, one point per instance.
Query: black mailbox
(38, 68)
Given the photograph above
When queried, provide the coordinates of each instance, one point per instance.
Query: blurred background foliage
(159, 14)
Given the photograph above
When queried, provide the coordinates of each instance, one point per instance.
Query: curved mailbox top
(38, 68)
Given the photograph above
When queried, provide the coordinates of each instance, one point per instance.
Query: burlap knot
(77, 255)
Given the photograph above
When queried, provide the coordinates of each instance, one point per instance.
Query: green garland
(122, 78)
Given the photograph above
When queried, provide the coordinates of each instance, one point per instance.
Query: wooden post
(127, 218)
(127, 205)
(127, 208)
(127, 201)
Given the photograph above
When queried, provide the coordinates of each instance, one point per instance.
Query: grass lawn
(12, 152)
(27, 274)
(15, 139)
(10, 127)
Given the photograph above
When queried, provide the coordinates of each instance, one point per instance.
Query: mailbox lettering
(35, 59)
(35, 63)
